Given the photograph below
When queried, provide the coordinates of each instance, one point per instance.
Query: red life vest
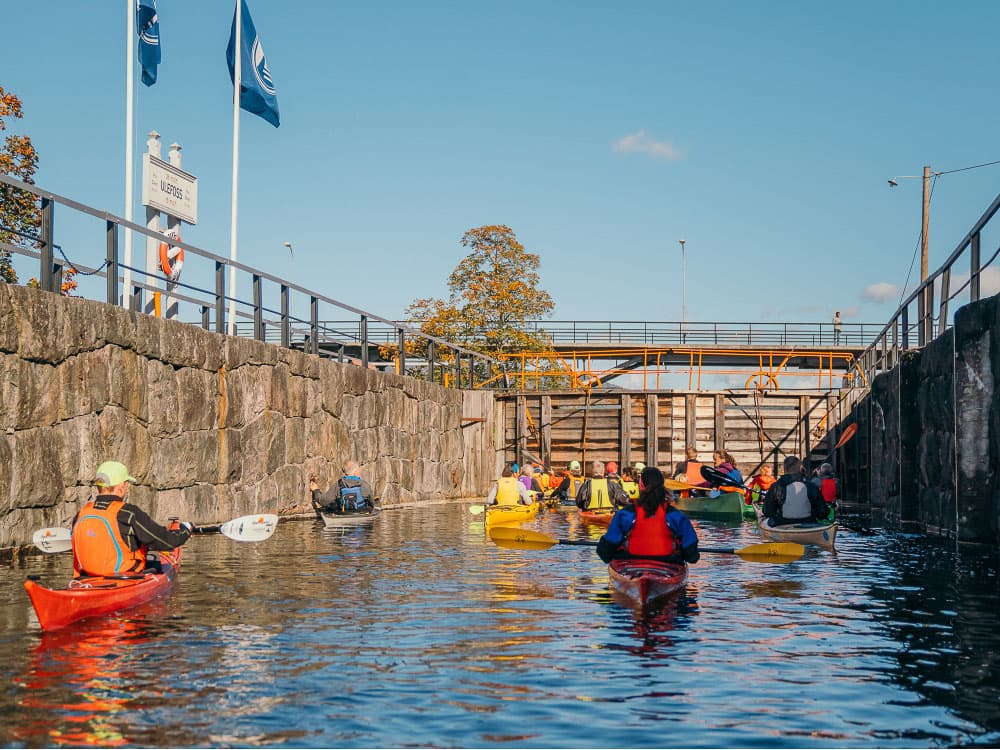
(759, 481)
(98, 546)
(828, 488)
(650, 536)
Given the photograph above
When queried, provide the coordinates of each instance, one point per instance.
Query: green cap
(112, 473)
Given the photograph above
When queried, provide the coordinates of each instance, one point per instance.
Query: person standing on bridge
(837, 327)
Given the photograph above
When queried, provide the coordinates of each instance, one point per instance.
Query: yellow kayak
(506, 515)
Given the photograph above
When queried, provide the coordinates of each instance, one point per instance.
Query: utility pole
(926, 220)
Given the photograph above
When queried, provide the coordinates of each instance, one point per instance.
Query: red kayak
(647, 580)
(602, 517)
(92, 597)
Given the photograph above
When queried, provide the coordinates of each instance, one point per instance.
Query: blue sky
(602, 133)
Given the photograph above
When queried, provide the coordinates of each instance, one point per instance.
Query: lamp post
(683, 290)
(291, 303)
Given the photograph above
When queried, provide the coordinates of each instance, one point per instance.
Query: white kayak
(819, 533)
(352, 518)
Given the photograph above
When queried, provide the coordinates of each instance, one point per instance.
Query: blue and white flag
(257, 92)
(148, 26)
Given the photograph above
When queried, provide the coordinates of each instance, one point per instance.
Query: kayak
(602, 516)
(820, 533)
(647, 580)
(729, 506)
(96, 596)
(505, 515)
(334, 520)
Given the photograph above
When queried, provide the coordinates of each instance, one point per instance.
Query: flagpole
(129, 167)
(237, 79)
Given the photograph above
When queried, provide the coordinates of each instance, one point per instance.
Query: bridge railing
(918, 321)
(265, 316)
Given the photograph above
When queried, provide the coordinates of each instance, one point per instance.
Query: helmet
(574, 466)
(639, 466)
(611, 467)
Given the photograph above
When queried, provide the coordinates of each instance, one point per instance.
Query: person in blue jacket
(652, 528)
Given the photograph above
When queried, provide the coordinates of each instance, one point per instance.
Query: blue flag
(148, 26)
(257, 92)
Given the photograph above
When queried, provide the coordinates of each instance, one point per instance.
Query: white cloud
(880, 293)
(640, 143)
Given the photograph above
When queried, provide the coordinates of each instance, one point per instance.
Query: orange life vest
(650, 536)
(759, 482)
(693, 472)
(98, 546)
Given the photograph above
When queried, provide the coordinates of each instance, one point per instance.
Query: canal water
(419, 632)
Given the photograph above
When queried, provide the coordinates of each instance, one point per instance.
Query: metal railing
(266, 315)
(905, 331)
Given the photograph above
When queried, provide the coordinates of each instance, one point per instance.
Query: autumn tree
(493, 293)
(19, 215)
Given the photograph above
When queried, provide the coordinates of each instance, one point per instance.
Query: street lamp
(683, 288)
(925, 216)
(291, 303)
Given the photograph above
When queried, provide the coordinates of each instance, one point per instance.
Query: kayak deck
(646, 581)
(601, 517)
(725, 507)
(505, 515)
(97, 596)
(336, 520)
(820, 533)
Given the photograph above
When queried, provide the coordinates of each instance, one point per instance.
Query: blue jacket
(678, 523)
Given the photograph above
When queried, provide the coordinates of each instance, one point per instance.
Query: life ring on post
(171, 258)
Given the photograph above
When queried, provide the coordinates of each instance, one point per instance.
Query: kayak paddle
(771, 552)
(255, 528)
(848, 434)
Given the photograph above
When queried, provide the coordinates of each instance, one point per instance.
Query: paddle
(255, 528)
(772, 552)
(848, 434)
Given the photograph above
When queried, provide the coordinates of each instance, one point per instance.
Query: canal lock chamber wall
(928, 444)
(211, 426)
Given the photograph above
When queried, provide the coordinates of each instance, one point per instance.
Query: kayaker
(598, 492)
(829, 488)
(688, 470)
(652, 529)
(351, 493)
(760, 484)
(570, 483)
(113, 537)
(507, 490)
(629, 484)
(793, 499)
(527, 478)
(725, 463)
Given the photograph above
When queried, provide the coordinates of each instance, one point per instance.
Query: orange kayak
(93, 597)
(602, 517)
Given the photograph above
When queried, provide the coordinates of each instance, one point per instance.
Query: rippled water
(420, 632)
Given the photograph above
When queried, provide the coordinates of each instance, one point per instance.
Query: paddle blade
(477, 510)
(772, 552)
(513, 537)
(848, 434)
(255, 528)
(673, 484)
(53, 539)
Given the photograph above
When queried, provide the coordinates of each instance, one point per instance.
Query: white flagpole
(129, 170)
(237, 79)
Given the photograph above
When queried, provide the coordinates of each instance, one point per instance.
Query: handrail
(51, 270)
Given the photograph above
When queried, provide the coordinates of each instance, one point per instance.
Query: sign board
(169, 189)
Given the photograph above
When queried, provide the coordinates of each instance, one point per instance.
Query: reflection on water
(418, 631)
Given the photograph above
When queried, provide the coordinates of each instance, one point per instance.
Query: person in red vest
(652, 529)
(112, 537)
(829, 487)
(760, 484)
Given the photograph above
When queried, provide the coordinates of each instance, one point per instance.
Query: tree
(20, 219)
(493, 292)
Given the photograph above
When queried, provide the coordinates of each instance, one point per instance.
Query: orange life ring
(171, 258)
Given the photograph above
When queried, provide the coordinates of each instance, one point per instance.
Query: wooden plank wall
(655, 427)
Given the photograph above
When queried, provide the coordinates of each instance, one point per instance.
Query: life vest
(98, 546)
(171, 258)
(600, 496)
(693, 472)
(507, 493)
(796, 505)
(351, 499)
(545, 482)
(650, 536)
(828, 488)
(760, 483)
(631, 489)
(575, 483)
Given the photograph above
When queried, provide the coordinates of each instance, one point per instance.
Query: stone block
(36, 394)
(263, 444)
(185, 459)
(36, 475)
(331, 378)
(123, 438)
(164, 395)
(84, 383)
(295, 440)
(247, 394)
(197, 398)
(8, 321)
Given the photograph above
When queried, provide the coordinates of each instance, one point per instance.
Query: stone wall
(931, 428)
(211, 426)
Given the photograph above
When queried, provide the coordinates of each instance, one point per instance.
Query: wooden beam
(626, 429)
(652, 424)
(720, 422)
(545, 428)
(690, 420)
(521, 410)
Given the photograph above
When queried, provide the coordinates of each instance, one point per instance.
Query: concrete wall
(930, 432)
(211, 426)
